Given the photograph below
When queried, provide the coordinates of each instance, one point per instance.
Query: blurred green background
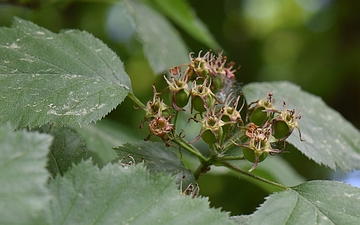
(312, 43)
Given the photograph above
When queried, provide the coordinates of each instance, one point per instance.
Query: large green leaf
(182, 14)
(68, 148)
(64, 78)
(157, 158)
(329, 138)
(314, 202)
(242, 219)
(103, 136)
(23, 176)
(162, 45)
(129, 195)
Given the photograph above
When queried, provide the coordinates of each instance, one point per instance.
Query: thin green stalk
(182, 143)
(175, 119)
(245, 173)
(212, 149)
(201, 169)
(136, 100)
(231, 157)
(205, 166)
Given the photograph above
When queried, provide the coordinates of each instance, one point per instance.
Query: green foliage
(120, 195)
(313, 202)
(159, 39)
(101, 137)
(23, 175)
(183, 15)
(67, 148)
(157, 158)
(82, 172)
(76, 200)
(64, 78)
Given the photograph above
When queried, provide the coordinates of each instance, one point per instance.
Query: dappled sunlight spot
(264, 17)
(262, 9)
(313, 6)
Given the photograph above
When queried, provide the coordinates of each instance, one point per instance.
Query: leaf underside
(329, 138)
(64, 78)
(67, 148)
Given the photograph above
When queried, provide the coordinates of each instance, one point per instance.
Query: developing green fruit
(258, 116)
(262, 111)
(199, 105)
(217, 83)
(280, 129)
(226, 127)
(202, 98)
(210, 138)
(249, 154)
(181, 98)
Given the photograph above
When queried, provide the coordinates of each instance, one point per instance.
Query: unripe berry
(284, 124)
(258, 116)
(263, 111)
(181, 98)
(249, 154)
(199, 104)
(209, 137)
(280, 129)
(202, 97)
(211, 129)
(217, 83)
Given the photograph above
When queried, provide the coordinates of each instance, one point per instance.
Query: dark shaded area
(231, 194)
